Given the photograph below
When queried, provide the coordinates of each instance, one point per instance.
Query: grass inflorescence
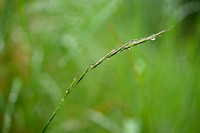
(93, 65)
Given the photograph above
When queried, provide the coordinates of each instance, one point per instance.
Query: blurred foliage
(153, 87)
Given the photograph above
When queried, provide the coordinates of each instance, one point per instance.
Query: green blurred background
(152, 88)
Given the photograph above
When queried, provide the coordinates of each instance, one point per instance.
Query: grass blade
(113, 52)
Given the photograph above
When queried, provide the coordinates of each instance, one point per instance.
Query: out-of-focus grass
(151, 88)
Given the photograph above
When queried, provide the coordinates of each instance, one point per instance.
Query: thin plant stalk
(93, 65)
(13, 97)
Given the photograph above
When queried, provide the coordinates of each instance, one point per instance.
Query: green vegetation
(93, 65)
(150, 88)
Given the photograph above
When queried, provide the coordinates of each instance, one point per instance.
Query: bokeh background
(152, 88)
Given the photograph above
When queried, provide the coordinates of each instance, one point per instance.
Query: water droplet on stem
(153, 38)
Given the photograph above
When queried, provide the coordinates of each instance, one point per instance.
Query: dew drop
(153, 39)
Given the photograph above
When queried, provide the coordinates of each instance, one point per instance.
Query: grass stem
(113, 52)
